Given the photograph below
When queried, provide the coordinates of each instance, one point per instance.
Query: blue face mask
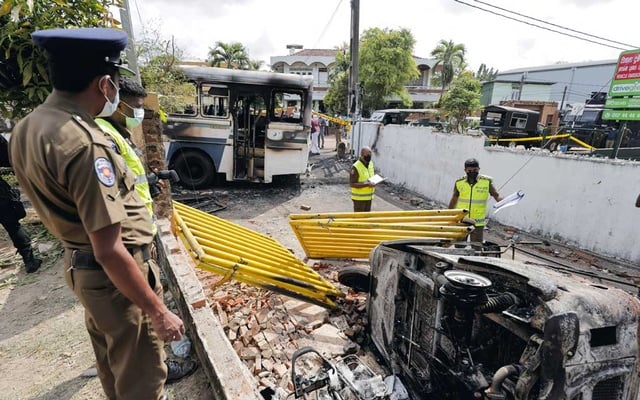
(110, 107)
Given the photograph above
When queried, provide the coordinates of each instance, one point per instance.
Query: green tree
(451, 58)
(159, 58)
(254, 65)
(462, 99)
(486, 74)
(386, 64)
(229, 55)
(336, 99)
(24, 83)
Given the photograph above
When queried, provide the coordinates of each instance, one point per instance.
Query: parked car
(401, 116)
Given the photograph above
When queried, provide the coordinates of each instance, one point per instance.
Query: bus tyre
(195, 169)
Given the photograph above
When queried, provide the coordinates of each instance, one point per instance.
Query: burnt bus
(454, 325)
(510, 126)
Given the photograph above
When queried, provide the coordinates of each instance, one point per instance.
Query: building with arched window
(318, 63)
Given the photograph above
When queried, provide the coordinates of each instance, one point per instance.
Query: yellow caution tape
(335, 120)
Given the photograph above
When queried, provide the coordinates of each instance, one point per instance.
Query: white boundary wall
(583, 201)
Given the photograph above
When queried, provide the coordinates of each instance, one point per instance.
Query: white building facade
(318, 63)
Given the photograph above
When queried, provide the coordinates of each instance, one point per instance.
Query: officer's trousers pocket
(153, 276)
(68, 277)
(68, 271)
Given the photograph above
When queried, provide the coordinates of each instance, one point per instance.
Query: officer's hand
(168, 326)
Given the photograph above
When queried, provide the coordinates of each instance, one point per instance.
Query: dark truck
(587, 125)
(510, 126)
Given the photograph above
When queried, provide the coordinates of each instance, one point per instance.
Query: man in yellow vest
(471, 192)
(128, 115)
(361, 188)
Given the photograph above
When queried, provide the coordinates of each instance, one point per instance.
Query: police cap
(472, 162)
(84, 47)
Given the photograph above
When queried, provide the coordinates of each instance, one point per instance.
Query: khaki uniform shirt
(75, 181)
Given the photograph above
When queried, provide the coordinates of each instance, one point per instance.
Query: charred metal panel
(458, 326)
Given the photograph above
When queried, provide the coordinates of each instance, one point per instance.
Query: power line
(138, 11)
(556, 25)
(538, 26)
(324, 30)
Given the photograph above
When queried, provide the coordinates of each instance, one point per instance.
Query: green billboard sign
(626, 80)
(621, 115)
(623, 103)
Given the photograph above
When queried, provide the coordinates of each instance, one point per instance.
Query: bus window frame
(227, 97)
(272, 108)
(196, 108)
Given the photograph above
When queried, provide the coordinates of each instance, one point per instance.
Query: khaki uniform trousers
(129, 355)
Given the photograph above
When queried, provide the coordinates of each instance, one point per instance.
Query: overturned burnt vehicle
(454, 325)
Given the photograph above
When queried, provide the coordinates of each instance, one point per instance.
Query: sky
(266, 27)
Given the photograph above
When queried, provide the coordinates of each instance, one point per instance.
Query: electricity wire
(138, 11)
(326, 26)
(557, 26)
(541, 27)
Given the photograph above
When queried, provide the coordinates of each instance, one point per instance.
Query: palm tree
(254, 65)
(230, 55)
(450, 57)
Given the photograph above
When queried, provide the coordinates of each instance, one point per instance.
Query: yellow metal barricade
(228, 249)
(354, 235)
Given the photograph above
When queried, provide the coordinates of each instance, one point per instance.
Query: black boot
(176, 370)
(31, 263)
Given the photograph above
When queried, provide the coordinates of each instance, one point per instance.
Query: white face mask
(110, 107)
(138, 116)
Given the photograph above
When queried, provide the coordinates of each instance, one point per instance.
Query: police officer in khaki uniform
(85, 195)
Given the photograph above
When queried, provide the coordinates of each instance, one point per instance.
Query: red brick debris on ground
(266, 328)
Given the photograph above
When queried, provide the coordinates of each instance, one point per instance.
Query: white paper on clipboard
(376, 179)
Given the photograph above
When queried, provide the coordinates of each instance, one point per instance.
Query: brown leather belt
(85, 260)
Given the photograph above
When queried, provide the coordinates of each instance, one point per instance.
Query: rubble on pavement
(266, 328)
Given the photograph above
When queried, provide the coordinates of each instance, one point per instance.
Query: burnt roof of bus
(224, 75)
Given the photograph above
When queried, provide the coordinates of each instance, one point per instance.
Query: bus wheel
(195, 169)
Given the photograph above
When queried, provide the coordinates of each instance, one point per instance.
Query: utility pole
(130, 51)
(522, 79)
(564, 94)
(354, 92)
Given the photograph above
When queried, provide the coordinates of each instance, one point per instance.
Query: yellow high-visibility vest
(134, 163)
(364, 173)
(474, 197)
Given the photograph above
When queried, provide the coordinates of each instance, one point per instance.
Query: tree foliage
(486, 74)
(229, 55)
(451, 58)
(336, 99)
(24, 83)
(462, 99)
(159, 72)
(386, 65)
